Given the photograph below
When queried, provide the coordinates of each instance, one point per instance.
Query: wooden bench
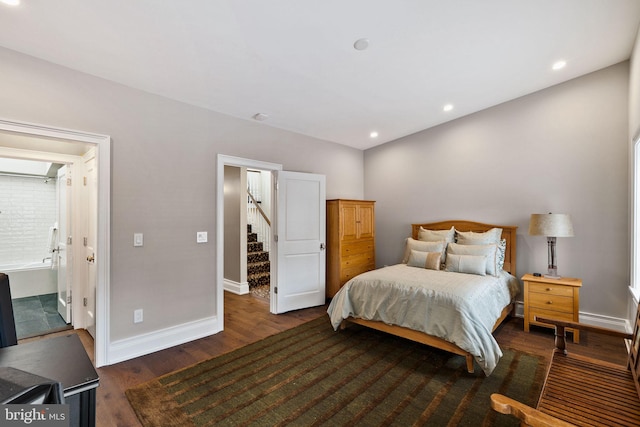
(583, 391)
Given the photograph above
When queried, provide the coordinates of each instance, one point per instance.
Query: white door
(299, 240)
(91, 198)
(62, 255)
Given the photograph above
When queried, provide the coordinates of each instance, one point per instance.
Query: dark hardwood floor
(247, 319)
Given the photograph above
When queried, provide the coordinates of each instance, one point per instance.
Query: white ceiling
(294, 60)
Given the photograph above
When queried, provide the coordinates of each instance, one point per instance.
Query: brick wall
(27, 210)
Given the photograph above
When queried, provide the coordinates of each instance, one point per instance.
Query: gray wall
(163, 180)
(563, 150)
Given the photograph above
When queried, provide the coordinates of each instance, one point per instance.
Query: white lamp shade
(551, 225)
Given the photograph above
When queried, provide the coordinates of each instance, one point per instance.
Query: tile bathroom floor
(37, 315)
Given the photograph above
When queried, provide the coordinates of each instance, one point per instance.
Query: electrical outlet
(201, 237)
(137, 316)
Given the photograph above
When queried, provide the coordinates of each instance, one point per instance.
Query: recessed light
(559, 65)
(361, 44)
(11, 2)
(447, 107)
(373, 134)
(261, 117)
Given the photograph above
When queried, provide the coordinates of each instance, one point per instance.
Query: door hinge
(275, 237)
(68, 182)
(275, 290)
(84, 301)
(84, 181)
(69, 299)
(69, 240)
(85, 241)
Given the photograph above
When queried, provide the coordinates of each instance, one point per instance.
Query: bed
(449, 310)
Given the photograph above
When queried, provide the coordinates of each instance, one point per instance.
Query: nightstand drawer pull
(549, 302)
(549, 289)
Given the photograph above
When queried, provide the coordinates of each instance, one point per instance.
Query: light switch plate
(138, 239)
(201, 237)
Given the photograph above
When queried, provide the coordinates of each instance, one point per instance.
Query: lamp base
(552, 272)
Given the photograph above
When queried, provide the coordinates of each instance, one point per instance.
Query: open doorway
(298, 273)
(89, 302)
(247, 225)
(33, 219)
(233, 216)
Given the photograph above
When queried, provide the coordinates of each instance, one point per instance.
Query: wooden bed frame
(508, 233)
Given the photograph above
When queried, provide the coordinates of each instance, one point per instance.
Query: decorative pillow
(489, 237)
(422, 247)
(489, 251)
(484, 238)
(429, 260)
(502, 248)
(471, 264)
(436, 235)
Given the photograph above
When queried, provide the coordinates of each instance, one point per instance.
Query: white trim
(50, 132)
(635, 294)
(224, 160)
(103, 262)
(519, 309)
(18, 153)
(236, 287)
(144, 344)
(616, 323)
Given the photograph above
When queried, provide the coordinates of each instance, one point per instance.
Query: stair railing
(259, 221)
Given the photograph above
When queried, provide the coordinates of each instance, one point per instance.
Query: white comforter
(457, 307)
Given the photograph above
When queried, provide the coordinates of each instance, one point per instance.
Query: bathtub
(35, 278)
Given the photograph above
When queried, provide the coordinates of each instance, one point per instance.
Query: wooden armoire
(350, 241)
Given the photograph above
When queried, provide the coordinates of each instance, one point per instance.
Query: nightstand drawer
(551, 302)
(550, 314)
(548, 288)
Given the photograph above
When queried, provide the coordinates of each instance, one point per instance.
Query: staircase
(258, 265)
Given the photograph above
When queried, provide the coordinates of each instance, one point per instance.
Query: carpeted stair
(258, 265)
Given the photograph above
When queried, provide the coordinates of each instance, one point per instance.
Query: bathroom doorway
(31, 141)
(34, 222)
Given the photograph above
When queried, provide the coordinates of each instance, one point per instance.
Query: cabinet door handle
(549, 289)
(549, 302)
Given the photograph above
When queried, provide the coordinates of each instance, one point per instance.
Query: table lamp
(552, 226)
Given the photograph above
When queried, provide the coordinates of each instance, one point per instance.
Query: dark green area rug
(312, 375)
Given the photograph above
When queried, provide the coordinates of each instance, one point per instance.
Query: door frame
(222, 161)
(102, 145)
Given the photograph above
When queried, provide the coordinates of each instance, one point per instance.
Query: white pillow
(489, 251)
(428, 260)
(474, 238)
(417, 245)
(471, 264)
(436, 235)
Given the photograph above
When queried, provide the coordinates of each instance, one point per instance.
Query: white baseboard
(608, 322)
(141, 345)
(616, 323)
(236, 287)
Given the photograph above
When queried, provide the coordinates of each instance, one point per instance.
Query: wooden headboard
(508, 233)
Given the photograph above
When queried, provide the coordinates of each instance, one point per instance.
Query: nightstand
(554, 298)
